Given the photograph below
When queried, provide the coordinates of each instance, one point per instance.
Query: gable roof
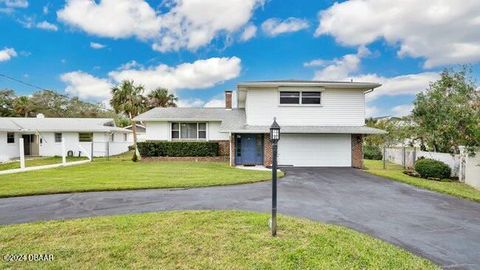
(226, 116)
(328, 84)
(20, 124)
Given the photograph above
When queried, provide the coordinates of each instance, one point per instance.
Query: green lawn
(120, 173)
(37, 162)
(395, 172)
(199, 240)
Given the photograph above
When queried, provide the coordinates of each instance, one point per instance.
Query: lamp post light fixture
(274, 138)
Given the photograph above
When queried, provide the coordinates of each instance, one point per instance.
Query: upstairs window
(189, 131)
(311, 97)
(300, 98)
(289, 97)
(58, 137)
(85, 137)
(10, 137)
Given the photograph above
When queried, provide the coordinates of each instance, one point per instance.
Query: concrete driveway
(439, 227)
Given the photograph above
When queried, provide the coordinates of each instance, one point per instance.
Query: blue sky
(200, 48)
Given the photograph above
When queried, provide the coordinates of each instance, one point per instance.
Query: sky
(200, 48)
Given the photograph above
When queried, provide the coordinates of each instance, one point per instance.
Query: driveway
(439, 227)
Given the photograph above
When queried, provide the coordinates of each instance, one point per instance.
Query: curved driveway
(439, 227)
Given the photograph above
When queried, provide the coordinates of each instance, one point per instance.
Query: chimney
(228, 99)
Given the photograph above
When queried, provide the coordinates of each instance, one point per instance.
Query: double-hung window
(189, 131)
(58, 137)
(10, 137)
(85, 137)
(300, 97)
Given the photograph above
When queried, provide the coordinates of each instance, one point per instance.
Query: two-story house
(322, 123)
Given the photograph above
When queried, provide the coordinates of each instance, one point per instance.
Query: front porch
(250, 149)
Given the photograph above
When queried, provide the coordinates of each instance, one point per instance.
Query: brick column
(357, 151)
(267, 150)
(232, 150)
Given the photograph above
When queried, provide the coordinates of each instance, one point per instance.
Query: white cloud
(248, 33)
(316, 63)
(196, 75)
(86, 86)
(442, 32)
(187, 24)
(342, 68)
(275, 26)
(47, 26)
(199, 74)
(402, 110)
(15, 3)
(45, 9)
(371, 111)
(190, 102)
(191, 23)
(409, 84)
(95, 45)
(7, 54)
(112, 18)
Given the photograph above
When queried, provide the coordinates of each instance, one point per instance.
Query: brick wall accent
(232, 150)
(357, 151)
(224, 148)
(267, 150)
(228, 99)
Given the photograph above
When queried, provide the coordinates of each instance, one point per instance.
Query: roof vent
(40, 115)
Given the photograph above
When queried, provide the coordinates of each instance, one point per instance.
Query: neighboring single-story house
(141, 132)
(44, 136)
(322, 123)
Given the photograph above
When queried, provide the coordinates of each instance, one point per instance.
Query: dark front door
(249, 149)
(26, 145)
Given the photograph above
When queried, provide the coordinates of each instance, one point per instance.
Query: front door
(26, 145)
(249, 149)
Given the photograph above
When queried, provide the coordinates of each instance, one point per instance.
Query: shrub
(432, 168)
(178, 149)
(372, 152)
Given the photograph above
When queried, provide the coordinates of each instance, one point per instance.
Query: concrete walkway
(439, 227)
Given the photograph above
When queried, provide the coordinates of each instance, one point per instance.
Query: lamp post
(274, 138)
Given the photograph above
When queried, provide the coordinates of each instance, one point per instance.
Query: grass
(395, 172)
(120, 173)
(199, 240)
(37, 162)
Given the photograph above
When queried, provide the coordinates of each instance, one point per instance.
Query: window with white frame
(189, 131)
(58, 137)
(85, 137)
(125, 137)
(112, 137)
(300, 97)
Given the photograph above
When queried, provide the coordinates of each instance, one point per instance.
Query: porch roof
(309, 129)
(19, 124)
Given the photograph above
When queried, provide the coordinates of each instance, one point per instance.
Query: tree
(448, 113)
(7, 97)
(127, 99)
(398, 131)
(23, 106)
(161, 98)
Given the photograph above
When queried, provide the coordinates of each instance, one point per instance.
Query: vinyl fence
(465, 167)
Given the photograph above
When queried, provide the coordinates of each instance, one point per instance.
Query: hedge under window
(189, 131)
(85, 137)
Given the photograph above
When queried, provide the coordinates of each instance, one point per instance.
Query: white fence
(465, 167)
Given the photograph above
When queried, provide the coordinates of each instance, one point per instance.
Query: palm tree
(127, 99)
(23, 106)
(161, 98)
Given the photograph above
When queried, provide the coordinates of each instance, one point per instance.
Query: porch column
(22, 153)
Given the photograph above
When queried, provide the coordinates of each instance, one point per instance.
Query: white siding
(10, 150)
(213, 133)
(160, 131)
(157, 131)
(325, 150)
(339, 108)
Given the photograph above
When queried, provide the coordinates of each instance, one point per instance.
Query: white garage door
(323, 150)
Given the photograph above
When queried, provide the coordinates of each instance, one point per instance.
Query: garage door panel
(323, 150)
